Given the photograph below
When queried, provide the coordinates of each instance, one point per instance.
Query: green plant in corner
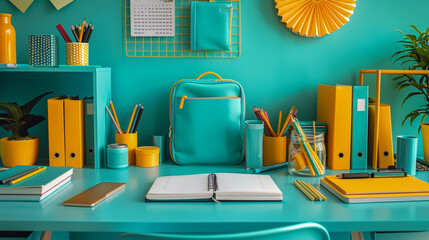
(416, 55)
(18, 119)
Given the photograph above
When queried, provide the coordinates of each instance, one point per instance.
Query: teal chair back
(306, 231)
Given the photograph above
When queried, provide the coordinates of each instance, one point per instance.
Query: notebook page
(232, 183)
(197, 183)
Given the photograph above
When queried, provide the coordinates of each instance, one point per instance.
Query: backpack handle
(207, 73)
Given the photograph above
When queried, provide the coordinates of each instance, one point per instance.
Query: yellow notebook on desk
(377, 189)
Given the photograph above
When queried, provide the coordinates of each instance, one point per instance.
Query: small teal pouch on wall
(211, 26)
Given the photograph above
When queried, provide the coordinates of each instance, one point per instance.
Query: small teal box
(43, 50)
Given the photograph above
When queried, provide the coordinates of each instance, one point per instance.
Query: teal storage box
(43, 50)
(207, 121)
(211, 26)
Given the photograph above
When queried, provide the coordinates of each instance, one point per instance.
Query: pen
(371, 175)
(28, 175)
(113, 121)
(138, 119)
(6, 180)
(272, 167)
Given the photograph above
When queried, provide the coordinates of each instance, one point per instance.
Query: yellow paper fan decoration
(315, 18)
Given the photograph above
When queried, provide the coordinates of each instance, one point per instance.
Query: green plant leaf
(12, 110)
(410, 95)
(30, 121)
(11, 126)
(414, 27)
(403, 86)
(26, 109)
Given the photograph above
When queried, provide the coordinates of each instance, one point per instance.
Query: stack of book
(34, 188)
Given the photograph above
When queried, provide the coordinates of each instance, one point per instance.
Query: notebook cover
(367, 198)
(358, 186)
(95, 195)
(211, 26)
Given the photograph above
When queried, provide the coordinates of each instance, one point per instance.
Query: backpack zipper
(182, 99)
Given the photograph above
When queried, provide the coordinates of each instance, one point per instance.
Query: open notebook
(219, 186)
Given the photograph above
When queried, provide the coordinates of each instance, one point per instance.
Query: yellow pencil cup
(131, 140)
(147, 156)
(274, 150)
(77, 54)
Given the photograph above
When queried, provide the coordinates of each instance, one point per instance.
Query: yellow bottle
(7, 41)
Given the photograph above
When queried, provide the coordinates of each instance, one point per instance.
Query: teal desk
(128, 211)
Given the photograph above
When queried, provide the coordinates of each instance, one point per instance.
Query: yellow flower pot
(425, 138)
(23, 152)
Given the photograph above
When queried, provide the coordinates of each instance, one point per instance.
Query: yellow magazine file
(334, 107)
(385, 139)
(74, 133)
(56, 132)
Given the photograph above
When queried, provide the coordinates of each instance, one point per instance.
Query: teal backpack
(207, 121)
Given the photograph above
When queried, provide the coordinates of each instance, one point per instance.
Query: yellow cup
(147, 156)
(274, 150)
(14, 153)
(131, 140)
(77, 54)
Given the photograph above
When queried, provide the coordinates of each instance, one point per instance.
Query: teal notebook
(37, 184)
(211, 26)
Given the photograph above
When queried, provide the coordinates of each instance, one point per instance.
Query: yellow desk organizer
(179, 45)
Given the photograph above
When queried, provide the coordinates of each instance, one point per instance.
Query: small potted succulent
(21, 148)
(416, 56)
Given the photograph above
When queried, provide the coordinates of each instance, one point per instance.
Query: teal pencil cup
(117, 155)
(254, 140)
(406, 154)
(159, 141)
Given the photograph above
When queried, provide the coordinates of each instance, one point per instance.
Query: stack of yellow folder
(66, 132)
(391, 189)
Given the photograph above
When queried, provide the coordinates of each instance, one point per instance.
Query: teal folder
(211, 26)
(89, 131)
(359, 128)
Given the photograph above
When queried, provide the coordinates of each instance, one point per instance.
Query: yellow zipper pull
(182, 102)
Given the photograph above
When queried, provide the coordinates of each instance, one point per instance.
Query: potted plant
(416, 55)
(19, 149)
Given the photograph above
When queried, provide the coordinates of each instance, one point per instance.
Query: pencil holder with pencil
(77, 53)
(131, 140)
(307, 154)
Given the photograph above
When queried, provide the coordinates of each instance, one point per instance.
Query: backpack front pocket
(207, 130)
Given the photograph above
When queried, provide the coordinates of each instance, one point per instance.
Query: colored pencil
(138, 119)
(113, 121)
(89, 34)
(116, 117)
(28, 175)
(287, 121)
(74, 33)
(279, 123)
(131, 119)
(82, 30)
(16, 176)
(63, 33)
(303, 190)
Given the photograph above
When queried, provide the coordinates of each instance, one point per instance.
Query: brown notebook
(95, 195)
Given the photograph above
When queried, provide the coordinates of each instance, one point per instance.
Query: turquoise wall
(277, 68)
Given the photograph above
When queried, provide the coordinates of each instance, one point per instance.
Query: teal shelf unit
(101, 90)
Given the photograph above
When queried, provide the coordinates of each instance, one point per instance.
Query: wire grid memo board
(179, 45)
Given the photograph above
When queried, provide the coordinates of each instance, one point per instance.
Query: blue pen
(272, 167)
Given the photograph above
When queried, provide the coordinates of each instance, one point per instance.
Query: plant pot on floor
(425, 138)
(19, 152)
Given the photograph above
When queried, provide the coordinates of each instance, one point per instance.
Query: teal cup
(160, 141)
(254, 140)
(117, 155)
(406, 154)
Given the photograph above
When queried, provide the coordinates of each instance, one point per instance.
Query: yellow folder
(334, 107)
(56, 132)
(74, 132)
(385, 139)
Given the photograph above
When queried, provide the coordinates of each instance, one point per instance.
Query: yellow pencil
(28, 175)
(81, 32)
(279, 124)
(315, 191)
(267, 122)
(287, 121)
(114, 114)
(296, 183)
(314, 135)
(131, 120)
(304, 185)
